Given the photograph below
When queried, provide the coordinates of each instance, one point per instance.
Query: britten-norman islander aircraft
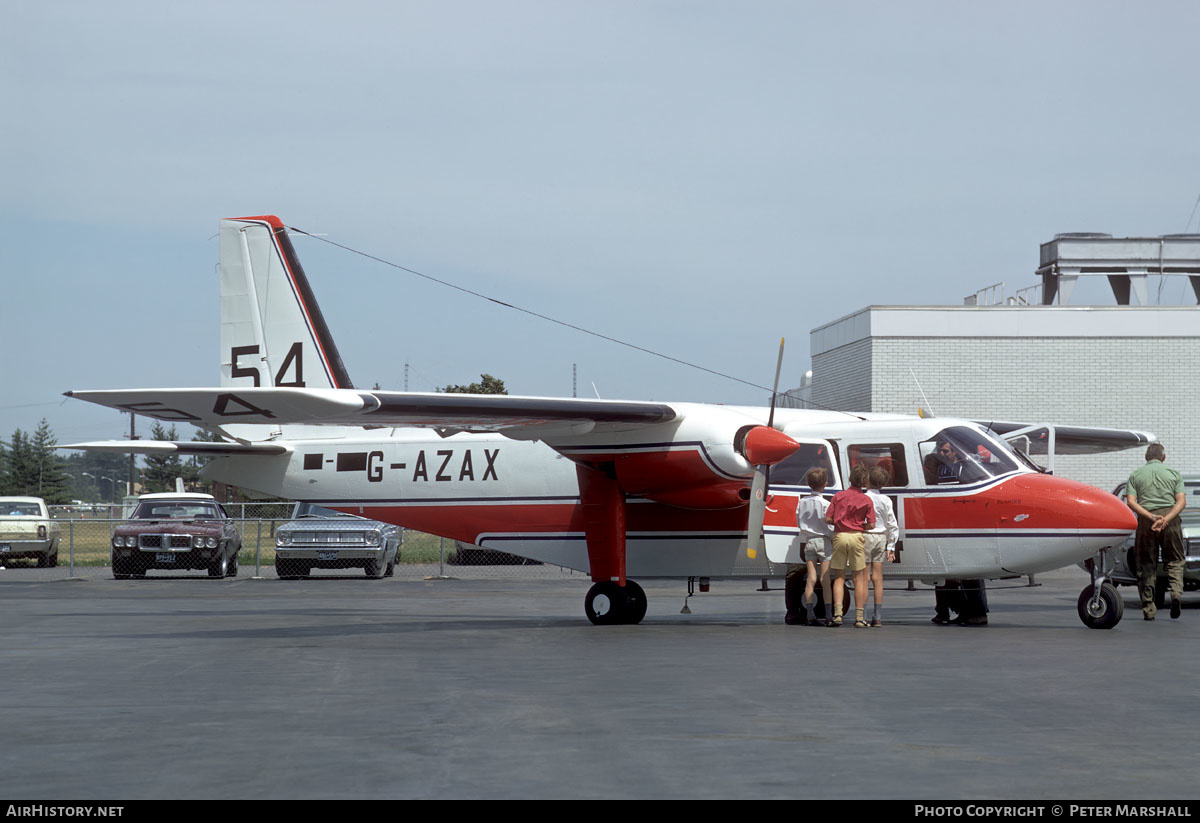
(616, 489)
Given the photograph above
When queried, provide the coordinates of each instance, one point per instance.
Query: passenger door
(787, 485)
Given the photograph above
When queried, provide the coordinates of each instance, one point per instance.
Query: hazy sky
(698, 178)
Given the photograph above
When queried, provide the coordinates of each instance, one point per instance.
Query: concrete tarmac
(406, 688)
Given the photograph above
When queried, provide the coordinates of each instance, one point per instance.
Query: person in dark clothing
(966, 598)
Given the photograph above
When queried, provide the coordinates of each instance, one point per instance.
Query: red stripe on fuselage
(1025, 501)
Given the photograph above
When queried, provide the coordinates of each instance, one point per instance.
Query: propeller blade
(775, 388)
(758, 511)
(770, 446)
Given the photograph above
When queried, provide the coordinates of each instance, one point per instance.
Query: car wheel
(374, 568)
(1106, 612)
(233, 565)
(391, 567)
(219, 567)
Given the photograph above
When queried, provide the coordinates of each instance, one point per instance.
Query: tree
(33, 467)
(192, 466)
(486, 385)
(98, 476)
(53, 483)
(19, 471)
(162, 469)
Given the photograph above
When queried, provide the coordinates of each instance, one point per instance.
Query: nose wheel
(608, 604)
(1100, 608)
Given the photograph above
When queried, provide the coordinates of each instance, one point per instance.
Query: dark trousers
(1147, 545)
(968, 598)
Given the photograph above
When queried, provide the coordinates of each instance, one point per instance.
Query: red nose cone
(1101, 510)
(1084, 506)
(766, 446)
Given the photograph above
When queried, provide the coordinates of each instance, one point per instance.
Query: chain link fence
(339, 548)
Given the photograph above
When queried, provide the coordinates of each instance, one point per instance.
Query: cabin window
(791, 470)
(887, 456)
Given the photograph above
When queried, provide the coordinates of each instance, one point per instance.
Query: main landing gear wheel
(1106, 612)
(608, 604)
(636, 602)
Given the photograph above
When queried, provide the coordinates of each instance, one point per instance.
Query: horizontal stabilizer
(186, 447)
(521, 417)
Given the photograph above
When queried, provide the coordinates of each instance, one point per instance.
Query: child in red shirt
(851, 512)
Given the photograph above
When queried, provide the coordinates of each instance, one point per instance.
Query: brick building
(1116, 366)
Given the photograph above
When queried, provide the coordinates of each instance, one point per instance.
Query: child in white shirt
(816, 533)
(880, 541)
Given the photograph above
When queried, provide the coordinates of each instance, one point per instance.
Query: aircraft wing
(1078, 439)
(517, 417)
(198, 447)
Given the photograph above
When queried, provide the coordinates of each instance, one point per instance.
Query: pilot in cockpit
(946, 464)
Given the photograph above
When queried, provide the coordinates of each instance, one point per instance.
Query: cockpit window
(963, 455)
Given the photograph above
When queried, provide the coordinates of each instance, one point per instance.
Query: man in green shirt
(1156, 495)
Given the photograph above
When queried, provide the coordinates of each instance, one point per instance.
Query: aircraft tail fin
(272, 330)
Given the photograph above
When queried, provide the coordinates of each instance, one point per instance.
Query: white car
(320, 538)
(27, 531)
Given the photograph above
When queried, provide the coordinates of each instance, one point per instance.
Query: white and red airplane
(617, 489)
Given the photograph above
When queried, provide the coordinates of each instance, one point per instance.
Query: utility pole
(132, 457)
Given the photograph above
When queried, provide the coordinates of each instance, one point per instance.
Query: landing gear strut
(608, 604)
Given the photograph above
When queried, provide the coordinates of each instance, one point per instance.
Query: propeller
(764, 446)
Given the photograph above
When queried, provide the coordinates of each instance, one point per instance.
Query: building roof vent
(1127, 262)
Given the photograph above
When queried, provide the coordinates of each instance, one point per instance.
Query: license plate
(327, 555)
(164, 557)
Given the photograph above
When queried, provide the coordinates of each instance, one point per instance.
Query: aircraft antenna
(1193, 214)
(922, 391)
(548, 319)
(524, 310)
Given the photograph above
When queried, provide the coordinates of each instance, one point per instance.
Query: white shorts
(875, 547)
(816, 550)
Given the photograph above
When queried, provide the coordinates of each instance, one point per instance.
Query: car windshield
(313, 510)
(20, 509)
(175, 510)
(960, 454)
